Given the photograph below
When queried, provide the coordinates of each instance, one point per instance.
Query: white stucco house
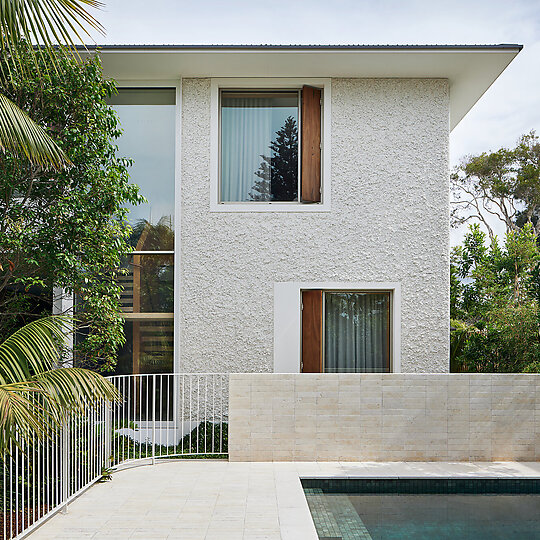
(298, 203)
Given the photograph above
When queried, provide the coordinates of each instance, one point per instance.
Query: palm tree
(52, 24)
(36, 396)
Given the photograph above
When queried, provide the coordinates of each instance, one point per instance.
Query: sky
(510, 108)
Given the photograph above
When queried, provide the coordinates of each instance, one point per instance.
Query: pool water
(427, 516)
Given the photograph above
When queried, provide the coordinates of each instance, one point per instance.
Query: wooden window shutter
(312, 331)
(311, 145)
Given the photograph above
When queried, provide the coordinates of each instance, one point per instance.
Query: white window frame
(288, 319)
(263, 83)
(177, 85)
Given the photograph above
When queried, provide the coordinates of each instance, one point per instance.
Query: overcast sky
(510, 108)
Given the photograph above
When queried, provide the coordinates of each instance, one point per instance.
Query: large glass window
(147, 117)
(259, 146)
(356, 332)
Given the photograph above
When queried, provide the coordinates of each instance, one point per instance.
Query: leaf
(21, 135)
(47, 22)
(36, 400)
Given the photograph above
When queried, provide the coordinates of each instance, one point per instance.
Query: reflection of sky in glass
(148, 139)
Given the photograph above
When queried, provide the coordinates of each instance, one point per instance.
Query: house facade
(298, 204)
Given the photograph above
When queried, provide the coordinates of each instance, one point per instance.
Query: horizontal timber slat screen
(161, 416)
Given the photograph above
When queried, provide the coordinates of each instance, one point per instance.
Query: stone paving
(220, 500)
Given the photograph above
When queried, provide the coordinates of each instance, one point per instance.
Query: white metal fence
(161, 416)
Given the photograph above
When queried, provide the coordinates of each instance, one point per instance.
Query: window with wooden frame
(346, 331)
(147, 117)
(270, 146)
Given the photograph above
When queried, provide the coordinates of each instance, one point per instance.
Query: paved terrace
(219, 500)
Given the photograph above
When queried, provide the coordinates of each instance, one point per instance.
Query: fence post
(153, 419)
(108, 434)
(65, 465)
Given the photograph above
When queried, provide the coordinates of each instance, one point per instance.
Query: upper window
(259, 146)
(147, 118)
(270, 146)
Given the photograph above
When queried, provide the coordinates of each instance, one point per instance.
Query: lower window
(147, 302)
(346, 331)
(148, 347)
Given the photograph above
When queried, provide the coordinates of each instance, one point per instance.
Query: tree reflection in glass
(278, 171)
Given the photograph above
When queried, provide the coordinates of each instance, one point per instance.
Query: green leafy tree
(502, 185)
(66, 228)
(494, 302)
(278, 172)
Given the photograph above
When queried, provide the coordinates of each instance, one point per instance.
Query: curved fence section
(164, 416)
(160, 416)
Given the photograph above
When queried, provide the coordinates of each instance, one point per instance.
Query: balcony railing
(161, 416)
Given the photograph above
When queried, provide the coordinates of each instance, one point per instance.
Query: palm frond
(73, 390)
(46, 22)
(21, 135)
(21, 416)
(32, 350)
(36, 400)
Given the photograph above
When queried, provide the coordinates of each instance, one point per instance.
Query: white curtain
(246, 134)
(356, 332)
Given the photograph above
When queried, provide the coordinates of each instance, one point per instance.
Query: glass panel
(356, 332)
(149, 285)
(259, 146)
(147, 118)
(148, 348)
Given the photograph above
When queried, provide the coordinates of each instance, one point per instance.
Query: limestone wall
(384, 417)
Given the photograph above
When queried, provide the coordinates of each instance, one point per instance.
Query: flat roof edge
(498, 47)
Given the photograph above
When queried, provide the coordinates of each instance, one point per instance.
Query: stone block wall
(384, 417)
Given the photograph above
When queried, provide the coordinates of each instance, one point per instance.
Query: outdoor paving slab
(218, 500)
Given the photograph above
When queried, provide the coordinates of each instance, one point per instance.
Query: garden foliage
(68, 228)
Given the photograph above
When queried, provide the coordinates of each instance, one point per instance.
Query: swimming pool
(424, 509)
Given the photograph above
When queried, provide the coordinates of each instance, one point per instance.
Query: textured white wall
(389, 222)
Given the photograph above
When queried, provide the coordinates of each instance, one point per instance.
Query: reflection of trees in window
(148, 299)
(148, 237)
(149, 284)
(360, 307)
(148, 347)
(278, 172)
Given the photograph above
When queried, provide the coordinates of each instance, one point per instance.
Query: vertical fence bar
(205, 428)
(154, 420)
(141, 380)
(166, 398)
(34, 478)
(183, 412)
(10, 489)
(65, 466)
(23, 458)
(197, 420)
(190, 411)
(107, 432)
(175, 411)
(123, 419)
(4, 501)
(146, 380)
(17, 489)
